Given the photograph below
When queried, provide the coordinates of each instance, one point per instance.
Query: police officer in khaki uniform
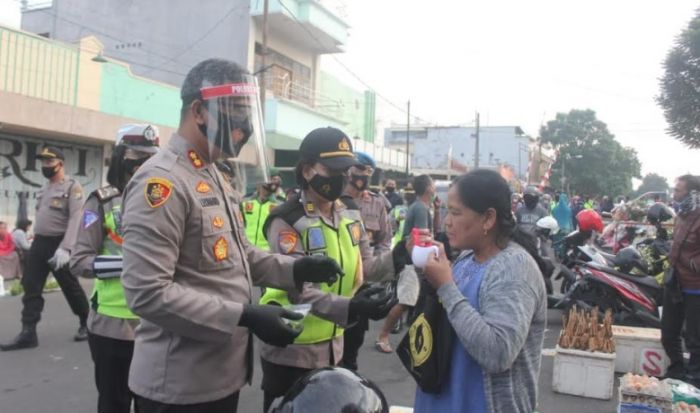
(188, 268)
(318, 223)
(57, 219)
(372, 207)
(111, 324)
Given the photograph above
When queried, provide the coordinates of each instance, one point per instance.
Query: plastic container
(637, 408)
(639, 351)
(584, 373)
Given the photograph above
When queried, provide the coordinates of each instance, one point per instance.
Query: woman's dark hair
(299, 173)
(24, 224)
(692, 183)
(482, 189)
(115, 173)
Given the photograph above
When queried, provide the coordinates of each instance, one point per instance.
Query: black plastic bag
(426, 348)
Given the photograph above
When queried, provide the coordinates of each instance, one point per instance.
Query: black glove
(316, 269)
(268, 323)
(400, 256)
(372, 302)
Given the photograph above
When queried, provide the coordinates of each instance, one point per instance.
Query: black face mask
(272, 188)
(49, 171)
(359, 182)
(390, 189)
(329, 188)
(222, 138)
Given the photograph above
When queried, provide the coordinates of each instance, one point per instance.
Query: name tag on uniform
(209, 202)
(355, 230)
(316, 239)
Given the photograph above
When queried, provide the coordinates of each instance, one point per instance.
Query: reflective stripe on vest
(110, 292)
(339, 245)
(255, 216)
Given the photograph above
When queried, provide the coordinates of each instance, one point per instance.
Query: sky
(520, 62)
(517, 63)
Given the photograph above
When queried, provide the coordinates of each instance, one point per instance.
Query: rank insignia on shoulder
(220, 249)
(195, 159)
(203, 187)
(286, 241)
(89, 218)
(355, 230)
(218, 222)
(157, 191)
(316, 240)
(249, 207)
(106, 193)
(309, 207)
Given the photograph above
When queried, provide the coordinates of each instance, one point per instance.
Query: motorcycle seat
(643, 280)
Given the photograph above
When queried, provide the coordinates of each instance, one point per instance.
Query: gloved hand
(60, 259)
(400, 256)
(267, 322)
(372, 302)
(316, 269)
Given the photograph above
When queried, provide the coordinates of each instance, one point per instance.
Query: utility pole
(408, 135)
(263, 65)
(476, 149)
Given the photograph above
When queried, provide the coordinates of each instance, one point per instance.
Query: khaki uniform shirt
(375, 220)
(188, 271)
(58, 209)
(325, 305)
(91, 235)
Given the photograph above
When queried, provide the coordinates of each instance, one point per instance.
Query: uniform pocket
(217, 242)
(58, 202)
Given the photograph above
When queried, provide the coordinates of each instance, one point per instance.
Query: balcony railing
(282, 87)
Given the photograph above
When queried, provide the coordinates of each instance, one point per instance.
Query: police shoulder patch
(355, 230)
(286, 241)
(157, 191)
(89, 218)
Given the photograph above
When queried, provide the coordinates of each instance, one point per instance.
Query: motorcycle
(588, 281)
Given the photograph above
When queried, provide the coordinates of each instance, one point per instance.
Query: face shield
(235, 132)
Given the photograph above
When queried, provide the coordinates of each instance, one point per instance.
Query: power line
(344, 66)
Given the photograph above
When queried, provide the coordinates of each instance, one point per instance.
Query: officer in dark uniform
(57, 219)
(111, 324)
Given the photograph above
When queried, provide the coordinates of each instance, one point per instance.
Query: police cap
(51, 152)
(328, 146)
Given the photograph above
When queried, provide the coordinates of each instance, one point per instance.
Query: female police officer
(317, 223)
(110, 322)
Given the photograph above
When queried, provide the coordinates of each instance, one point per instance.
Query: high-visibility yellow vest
(399, 214)
(255, 213)
(342, 245)
(110, 292)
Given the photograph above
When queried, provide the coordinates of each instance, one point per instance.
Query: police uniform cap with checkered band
(299, 228)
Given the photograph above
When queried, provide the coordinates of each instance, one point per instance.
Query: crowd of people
(175, 249)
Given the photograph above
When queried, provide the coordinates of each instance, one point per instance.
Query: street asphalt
(57, 376)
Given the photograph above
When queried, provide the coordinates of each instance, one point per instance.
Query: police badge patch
(286, 241)
(315, 239)
(157, 191)
(89, 218)
(355, 230)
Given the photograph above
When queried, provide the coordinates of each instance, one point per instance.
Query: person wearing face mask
(319, 222)
(256, 210)
(188, 269)
(531, 211)
(419, 215)
(58, 209)
(111, 324)
(391, 194)
(372, 206)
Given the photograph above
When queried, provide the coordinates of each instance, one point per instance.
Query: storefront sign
(20, 171)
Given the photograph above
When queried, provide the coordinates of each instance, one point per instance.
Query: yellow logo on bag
(421, 340)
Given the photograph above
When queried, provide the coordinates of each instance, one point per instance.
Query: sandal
(383, 347)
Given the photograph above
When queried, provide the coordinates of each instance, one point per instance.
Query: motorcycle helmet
(547, 226)
(589, 220)
(658, 213)
(531, 197)
(332, 390)
(629, 258)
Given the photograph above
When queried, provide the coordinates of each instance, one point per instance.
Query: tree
(593, 162)
(680, 86)
(652, 183)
